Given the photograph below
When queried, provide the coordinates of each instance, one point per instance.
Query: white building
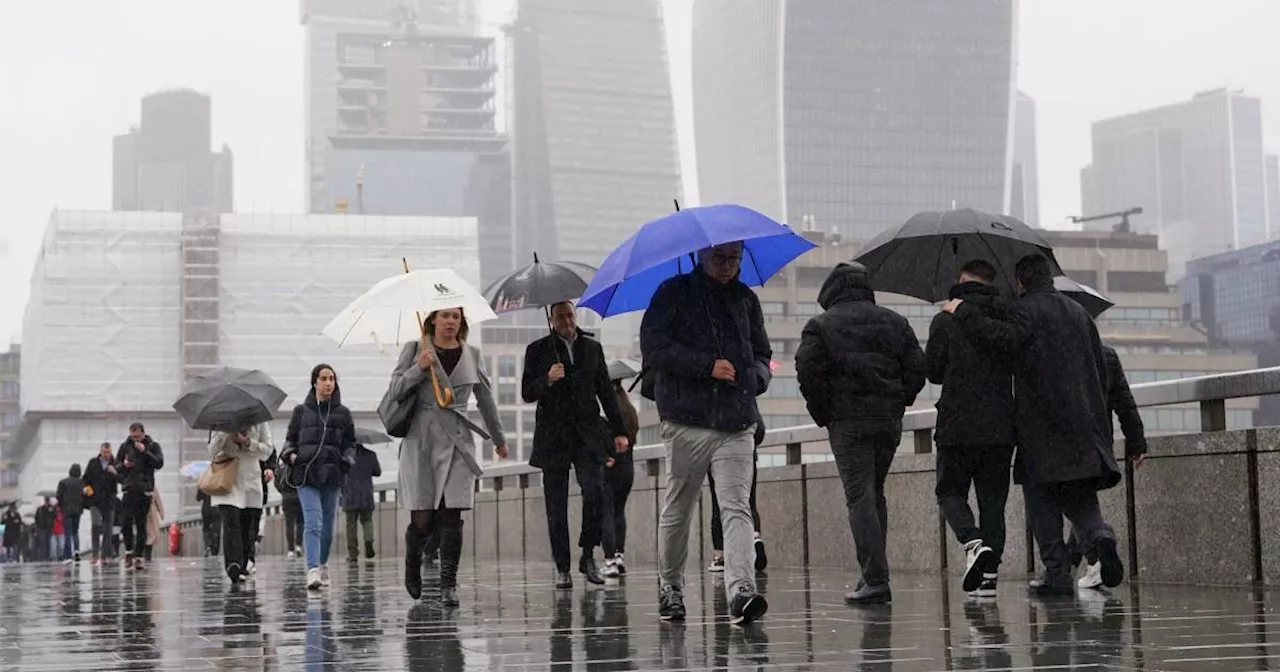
(125, 305)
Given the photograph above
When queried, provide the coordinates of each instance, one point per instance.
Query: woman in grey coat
(438, 468)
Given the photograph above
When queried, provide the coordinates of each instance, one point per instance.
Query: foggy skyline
(1081, 61)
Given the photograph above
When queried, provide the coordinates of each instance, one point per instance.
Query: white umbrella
(391, 312)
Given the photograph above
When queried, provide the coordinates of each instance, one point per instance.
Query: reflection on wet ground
(181, 615)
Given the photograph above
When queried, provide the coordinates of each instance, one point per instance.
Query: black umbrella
(539, 284)
(229, 399)
(1086, 296)
(922, 258)
(370, 437)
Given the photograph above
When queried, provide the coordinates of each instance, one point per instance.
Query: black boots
(368, 550)
(413, 562)
(450, 531)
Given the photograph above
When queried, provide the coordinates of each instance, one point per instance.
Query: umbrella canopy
(541, 283)
(370, 437)
(922, 258)
(664, 248)
(229, 399)
(621, 369)
(1086, 296)
(392, 310)
(193, 470)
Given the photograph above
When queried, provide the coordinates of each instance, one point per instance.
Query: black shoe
(368, 550)
(587, 565)
(76, 557)
(449, 596)
(747, 606)
(1052, 586)
(866, 594)
(762, 558)
(977, 561)
(563, 580)
(671, 604)
(1112, 566)
(413, 562)
(353, 556)
(235, 573)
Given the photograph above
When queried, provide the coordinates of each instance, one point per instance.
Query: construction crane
(1122, 227)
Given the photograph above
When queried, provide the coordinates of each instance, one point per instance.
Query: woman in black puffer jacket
(317, 449)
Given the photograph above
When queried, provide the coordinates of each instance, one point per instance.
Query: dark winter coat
(321, 435)
(976, 405)
(357, 488)
(1061, 419)
(71, 492)
(569, 410)
(12, 529)
(138, 468)
(691, 322)
(106, 488)
(45, 518)
(1120, 401)
(857, 361)
(632, 421)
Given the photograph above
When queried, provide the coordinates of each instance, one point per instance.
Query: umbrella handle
(444, 395)
(554, 349)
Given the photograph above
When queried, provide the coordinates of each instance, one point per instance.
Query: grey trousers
(691, 453)
(863, 458)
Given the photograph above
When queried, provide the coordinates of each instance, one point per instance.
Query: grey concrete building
(1195, 167)
(164, 164)
(859, 113)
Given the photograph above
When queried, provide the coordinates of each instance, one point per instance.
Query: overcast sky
(74, 71)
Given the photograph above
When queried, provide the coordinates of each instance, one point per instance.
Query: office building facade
(1024, 182)
(165, 164)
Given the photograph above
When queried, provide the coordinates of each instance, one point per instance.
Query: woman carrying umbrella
(438, 376)
(241, 507)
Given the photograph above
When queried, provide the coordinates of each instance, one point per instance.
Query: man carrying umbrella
(567, 375)
(704, 337)
(1061, 416)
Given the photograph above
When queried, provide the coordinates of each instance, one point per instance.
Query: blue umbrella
(664, 248)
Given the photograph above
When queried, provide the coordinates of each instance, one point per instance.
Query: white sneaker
(1092, 576)
(324, 576)
(610, 569)
(313, 579)
(975, 563)
(251, 568)
(717, 565)
(292, 554)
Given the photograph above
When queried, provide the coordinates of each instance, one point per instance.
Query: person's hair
(1034, 272)
(137, 427)
(629, 414)
(315, 374)
(463, 329)
(551, 310)
(980, 270)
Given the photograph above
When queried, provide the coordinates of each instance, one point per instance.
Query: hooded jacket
(137, 469)
(857, 361)
(976, 405)
(71, 492)
(320, 434)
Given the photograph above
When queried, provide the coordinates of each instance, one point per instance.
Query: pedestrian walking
(42, 529)
(58, 536)
(101, 477)
(974, 429)
(320, 435)
(567, 376)
(619, 476)
(437, 376)
(860, 367)
(358, 501)
(717, 529)
(210, 524)
(71, 500)
(241, 507)
(292, 510)
(13, 525)
(138, 460)
(703, 336)
(1061, 416)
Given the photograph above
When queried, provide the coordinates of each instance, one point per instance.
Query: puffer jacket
(321, 435)
(857, 361)
(71, 492)
(976, 405)
(139, 474)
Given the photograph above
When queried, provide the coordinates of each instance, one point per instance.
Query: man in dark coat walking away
(566, 374)
(860, 367)
(139, 458)
(71, 499)
(358, 502)
(101, 477)
(703, 337)
(1060, 414)
(974, 428)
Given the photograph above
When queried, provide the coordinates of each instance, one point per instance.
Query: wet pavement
(182, 615)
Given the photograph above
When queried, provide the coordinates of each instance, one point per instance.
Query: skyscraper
(1025, 183)
(1273, 197)
(1196, 168)
(165, 164)
(857, 112)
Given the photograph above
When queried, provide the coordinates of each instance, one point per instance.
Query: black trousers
(555, 484)
(211, 524)
(717, 528)
(987, 468)
(1047, 503)
(292, 524)
(135, 506)
(239, 533)
(102, 544)
(618, 481)
(863, 459)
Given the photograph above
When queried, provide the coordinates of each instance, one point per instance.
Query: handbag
(220, 478)
(397, 414)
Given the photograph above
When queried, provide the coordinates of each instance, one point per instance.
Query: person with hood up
(138, 460)
(974, 430)
(241, 508)
(1061, 417)
(439, 374)
(860, 367)
(71, 495)
(358, 501)
(102, 496)
(320, 436)
(703, 337)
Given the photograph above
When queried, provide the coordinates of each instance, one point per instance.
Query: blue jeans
(319, 511)
(56, 543)
(73, 535)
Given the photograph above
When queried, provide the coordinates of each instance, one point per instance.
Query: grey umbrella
(371, 437)
(620, 369)
(922, 258)
(229, 399)
(1086, 296)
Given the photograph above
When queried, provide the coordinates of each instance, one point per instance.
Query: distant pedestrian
(291, 508)
(241, 508)
(358, 501)
(210, 524)
(42, 530)
(12, 533)
(860, 367)
(138, 460)
(101, 476)
(71, 500)
(619, 476)
(58, 537)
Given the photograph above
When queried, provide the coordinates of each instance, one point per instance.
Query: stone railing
(1191, 514)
